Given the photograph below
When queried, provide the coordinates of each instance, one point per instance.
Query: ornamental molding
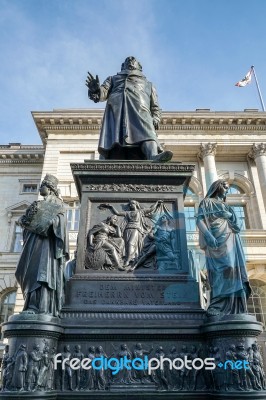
(258, 149)
(129, 315)
(254, 241)
(95, 276)
(207, 149)
(21, 161)
(21, 147)
(168, 127)
(131, 167)
(120, 187)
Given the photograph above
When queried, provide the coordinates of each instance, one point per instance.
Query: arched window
(234, 189)
(238, 200)
(189, 192)
(257, 301)
(7, 305)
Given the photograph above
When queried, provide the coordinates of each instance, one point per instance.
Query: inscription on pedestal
(121, 293)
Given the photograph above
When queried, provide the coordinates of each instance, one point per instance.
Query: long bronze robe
(226, 264)
(132, 105)
(40, 267)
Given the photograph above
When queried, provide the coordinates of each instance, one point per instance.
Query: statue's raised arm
(93, 85)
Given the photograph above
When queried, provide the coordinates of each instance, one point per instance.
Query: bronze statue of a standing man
(131, 115)
(41, 265)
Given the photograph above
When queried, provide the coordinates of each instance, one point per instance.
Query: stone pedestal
(33, 342)
(231, 340)
(111, 310)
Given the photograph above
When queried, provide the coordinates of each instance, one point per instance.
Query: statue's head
(131, 63)
(220, 188)
(49, 182)
(139, 346)
(111, 219)
(254, 346)
(134, 205)
(163, 220)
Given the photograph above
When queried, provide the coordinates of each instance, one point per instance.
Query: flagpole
(261, 99)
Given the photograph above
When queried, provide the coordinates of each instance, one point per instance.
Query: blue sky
(194, 51)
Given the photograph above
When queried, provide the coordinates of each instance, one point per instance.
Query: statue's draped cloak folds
(40, 268)
(225, 265)
(131, 107)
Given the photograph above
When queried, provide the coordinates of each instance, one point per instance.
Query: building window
(239, 201)
(73, 214)
(29, 188)
(257, 301)
(190, 219)
(18, 239)
(234, 189)
(241, 214)
(188, 191)
(8, 305)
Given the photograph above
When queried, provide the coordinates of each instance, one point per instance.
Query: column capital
(258, 149)
(207, 149)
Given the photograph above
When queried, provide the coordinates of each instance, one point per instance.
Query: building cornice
(15, 153)
(175, 121)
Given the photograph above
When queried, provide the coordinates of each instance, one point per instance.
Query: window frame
(262, 312)
(191, 200)
(15, 227)
(240, 200)
(73, 206)
(3, 297)
(29, 182)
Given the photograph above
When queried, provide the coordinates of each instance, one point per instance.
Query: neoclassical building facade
(228, 145)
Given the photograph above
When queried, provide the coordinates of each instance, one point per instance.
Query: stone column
(207, 153)
(258, 153)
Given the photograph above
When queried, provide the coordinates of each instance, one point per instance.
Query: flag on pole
(245, 81)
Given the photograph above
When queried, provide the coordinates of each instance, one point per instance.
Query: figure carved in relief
(161, 244)
(135, 226)
(105, 247)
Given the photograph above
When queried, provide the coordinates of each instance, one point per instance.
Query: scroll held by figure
(225, 260)
(40, 269)
(132, 115)
(143, 237)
